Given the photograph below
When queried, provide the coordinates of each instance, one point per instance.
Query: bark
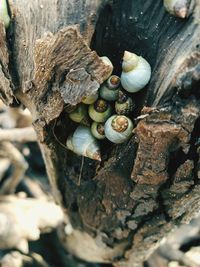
(143, 188)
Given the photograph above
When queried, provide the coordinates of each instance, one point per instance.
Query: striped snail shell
(118, 129)
(136, 72)
(109, 90)
(83, 143)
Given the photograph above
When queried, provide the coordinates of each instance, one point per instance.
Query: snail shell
(83, 143)
(97, 130)
(136, 72)
(107, 61)
(4, 13)
(80, 114)
(178, 8)
(100, 111)
(124, 105)
(118, 129)
(69, 143)
(109, 90)
(88, 100)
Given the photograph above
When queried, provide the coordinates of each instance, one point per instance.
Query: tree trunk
(143, 188)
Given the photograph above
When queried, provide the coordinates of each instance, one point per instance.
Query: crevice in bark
(13, 68)
(176, 158)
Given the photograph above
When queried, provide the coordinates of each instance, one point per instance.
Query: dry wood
(23, 219)
(9, 151)
(21, 135)
(16, 259)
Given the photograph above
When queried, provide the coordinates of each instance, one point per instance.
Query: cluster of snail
(116, 126)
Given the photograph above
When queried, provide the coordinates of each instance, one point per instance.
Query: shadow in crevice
(176, 158)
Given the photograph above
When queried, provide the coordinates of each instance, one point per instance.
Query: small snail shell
(107, 61)
(80, 115)
(136, 72)
(88, 100)
(178, 8)
(109, 90)
(118, 128)
(69, 143)
(100, 111)
(124, 105)
(97, 130)
(82, 142)
(4, 13)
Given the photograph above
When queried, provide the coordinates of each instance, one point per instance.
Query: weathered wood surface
(143, 188)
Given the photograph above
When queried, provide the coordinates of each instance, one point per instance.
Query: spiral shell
(124, 105)
(80, 114)
(118, 129)
(100, 111)
(136, 72)
(109, 90)
(97, 130)
(107, 61)
(83, 143)
(178, 8)
(4, 13)
(88, 100)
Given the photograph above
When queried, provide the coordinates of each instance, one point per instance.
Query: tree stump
(145, 187)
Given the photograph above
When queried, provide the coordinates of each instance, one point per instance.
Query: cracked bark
(142, 188)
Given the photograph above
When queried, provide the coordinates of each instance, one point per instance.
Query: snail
(80, 115)
(178, 8)
(107, 61)
(83, 143)
(88, 100)
(118, 128)
(124, 105)
(100, 111)
(69, 144)
(136, 72)
(109, 90)
(4, 13)
(97, 130)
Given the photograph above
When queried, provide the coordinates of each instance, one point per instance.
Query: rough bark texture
(142, 188)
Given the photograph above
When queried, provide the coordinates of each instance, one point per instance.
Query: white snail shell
(4, 13)
(82, 142)
(136, 72)
(118, 129)
(178, 8)
(107, 61)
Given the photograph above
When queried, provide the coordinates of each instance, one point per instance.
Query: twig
(21, 135)
(20, 166)
(24, 219)
(53, 131)
(81, 170)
